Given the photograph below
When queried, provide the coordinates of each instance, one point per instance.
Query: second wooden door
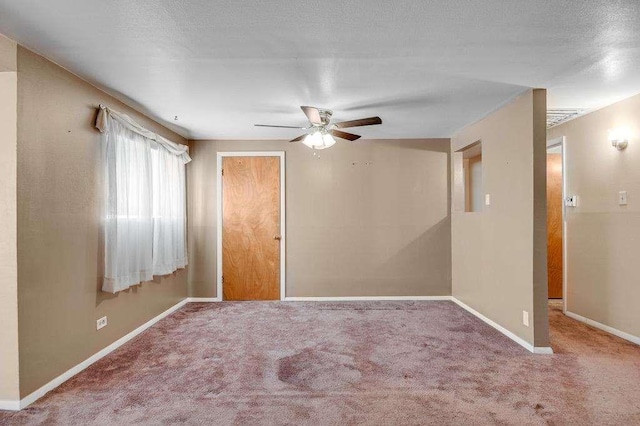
(251, 228)
(554, 225)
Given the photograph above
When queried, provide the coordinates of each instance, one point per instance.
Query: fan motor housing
(325, 116)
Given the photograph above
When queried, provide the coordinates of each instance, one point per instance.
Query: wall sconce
(619, 137)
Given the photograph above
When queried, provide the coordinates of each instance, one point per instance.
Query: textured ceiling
(426, 67)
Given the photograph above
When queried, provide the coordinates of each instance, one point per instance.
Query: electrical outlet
(525, 318)
(487, 199)
(102, 322)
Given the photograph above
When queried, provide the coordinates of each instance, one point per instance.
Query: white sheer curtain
(145, 203)
(169, 212)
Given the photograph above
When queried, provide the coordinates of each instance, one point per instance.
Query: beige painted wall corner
(9, 353)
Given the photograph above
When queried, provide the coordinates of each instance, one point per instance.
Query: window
(145, 205)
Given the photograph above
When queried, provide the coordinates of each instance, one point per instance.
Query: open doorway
(555, 219)
(472, 173)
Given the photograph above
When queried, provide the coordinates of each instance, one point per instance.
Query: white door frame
(282, 215)
(552, 143)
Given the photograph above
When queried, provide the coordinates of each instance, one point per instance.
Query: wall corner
(9, 350)
(540, 281)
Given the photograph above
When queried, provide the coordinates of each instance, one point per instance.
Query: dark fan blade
(312, 114)
(298, 139)
(356, 123)
(344, 135)
(281, 127)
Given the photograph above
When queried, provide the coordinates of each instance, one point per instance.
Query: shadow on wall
(432, 252)
(432, 248)
(376, 224)
(421, 267)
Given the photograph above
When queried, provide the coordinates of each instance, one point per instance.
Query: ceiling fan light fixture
(319, 140)
(323, 131)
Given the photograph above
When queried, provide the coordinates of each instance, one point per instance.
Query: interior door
(554, 225)
(251, 228)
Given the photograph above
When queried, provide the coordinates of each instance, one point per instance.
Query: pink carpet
(377, 363)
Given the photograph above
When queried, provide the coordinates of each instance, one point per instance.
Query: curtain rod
(105, 113)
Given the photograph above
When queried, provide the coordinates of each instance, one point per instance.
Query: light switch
(622, 198)
(487, 199)
(571, 201)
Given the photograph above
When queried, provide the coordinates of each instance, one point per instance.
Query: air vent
(560, 115)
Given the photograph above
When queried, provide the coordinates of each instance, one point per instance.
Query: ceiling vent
(560, 115)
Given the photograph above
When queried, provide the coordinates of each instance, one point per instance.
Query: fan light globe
(328, 140)
(317, 140)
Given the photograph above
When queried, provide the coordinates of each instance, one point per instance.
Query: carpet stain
(464, 328)
(318, 370)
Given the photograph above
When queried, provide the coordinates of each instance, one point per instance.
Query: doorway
(251, 228)
(555, 221)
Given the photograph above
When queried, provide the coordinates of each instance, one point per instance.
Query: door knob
(277, 237)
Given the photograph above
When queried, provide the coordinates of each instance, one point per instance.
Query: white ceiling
(426, 67)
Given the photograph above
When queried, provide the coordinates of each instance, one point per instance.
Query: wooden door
(251, 228)
(554, 225)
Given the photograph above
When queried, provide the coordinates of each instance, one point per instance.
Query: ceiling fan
(321, 131)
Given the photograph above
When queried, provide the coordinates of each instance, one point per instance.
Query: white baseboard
(528, 346)
(543, 350)
(603, 327)
(363, 298)
(29, 399)
(9, 405)
(203, 299)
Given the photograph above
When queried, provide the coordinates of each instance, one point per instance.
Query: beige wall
(497, 266)
(8, 57)
(59, 196)
(602, 237)
(377, 229)
(9, 380)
